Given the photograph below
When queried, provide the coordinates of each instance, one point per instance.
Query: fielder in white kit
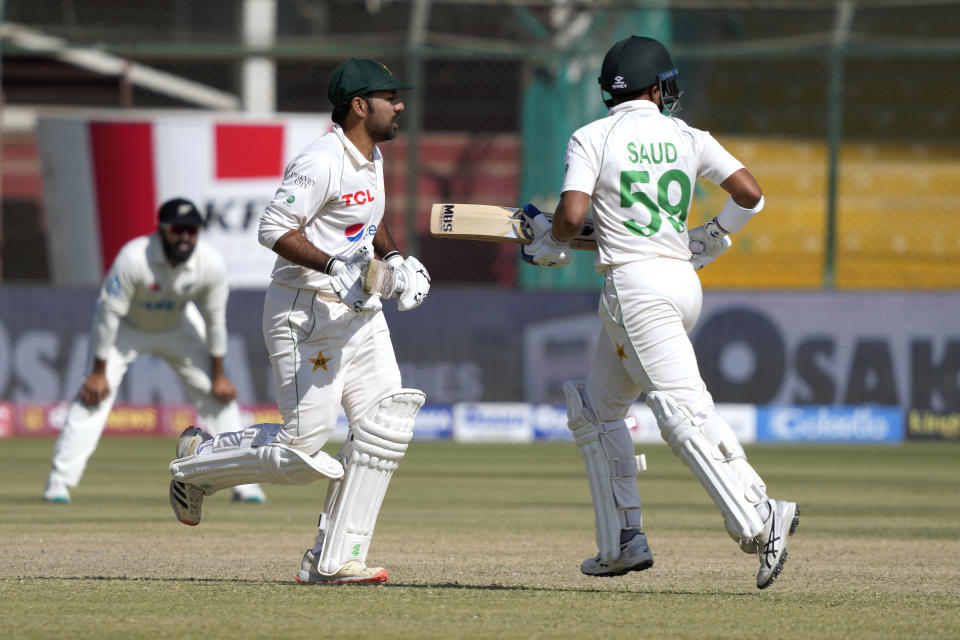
(328, 341)
(166, 294)
(638, 167)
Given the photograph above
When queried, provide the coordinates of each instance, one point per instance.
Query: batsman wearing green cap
(327, 338)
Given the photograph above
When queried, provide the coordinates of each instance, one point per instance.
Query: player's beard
(177, 252)
(383, 132)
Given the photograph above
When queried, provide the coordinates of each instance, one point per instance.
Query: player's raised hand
(94, 389)
(543, 250)
(707, 243)
(347, 282)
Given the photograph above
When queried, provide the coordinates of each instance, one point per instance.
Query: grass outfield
(484, 541)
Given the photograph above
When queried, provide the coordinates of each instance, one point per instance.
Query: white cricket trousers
(324, 355)
(184, 348)
(647, 308)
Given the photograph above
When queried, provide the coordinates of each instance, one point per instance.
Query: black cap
(179, 212)
(358, 77)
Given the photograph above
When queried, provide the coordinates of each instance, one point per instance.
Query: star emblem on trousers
(319, 362)
(620, 352)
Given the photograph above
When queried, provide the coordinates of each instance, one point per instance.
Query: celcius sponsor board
(830, 424)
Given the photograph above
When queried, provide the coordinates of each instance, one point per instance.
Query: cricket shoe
(772, 542)
(353, 572)
(187, 499)
(634, 556)
(56, 490)
(249, 493)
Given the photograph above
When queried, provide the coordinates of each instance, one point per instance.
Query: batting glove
(707, 243)
(347, 283)
(543, 250)
(416, 284)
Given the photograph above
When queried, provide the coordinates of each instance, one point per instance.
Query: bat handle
(529, 211)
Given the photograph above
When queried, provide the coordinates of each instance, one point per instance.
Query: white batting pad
(608, 455)
(249, 456)
(376, 444)
(725, 488)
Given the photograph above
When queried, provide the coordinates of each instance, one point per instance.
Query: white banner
(107, 172)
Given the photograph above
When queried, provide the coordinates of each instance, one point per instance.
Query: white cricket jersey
(331, 194)
(640, 167)
(145, 290)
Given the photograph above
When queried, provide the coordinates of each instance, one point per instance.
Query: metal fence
(844, 111)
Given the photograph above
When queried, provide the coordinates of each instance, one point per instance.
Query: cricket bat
(493, 223)
(379, 277)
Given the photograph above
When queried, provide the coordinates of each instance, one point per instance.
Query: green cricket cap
(360, 76)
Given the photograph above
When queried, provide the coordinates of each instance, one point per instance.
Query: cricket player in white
(327, 339)
(638, 167)
(166, 294)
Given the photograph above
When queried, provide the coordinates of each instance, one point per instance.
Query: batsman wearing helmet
(637, 167)
(165, 294)
(327, 338)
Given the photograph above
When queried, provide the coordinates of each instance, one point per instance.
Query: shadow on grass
(394, 585)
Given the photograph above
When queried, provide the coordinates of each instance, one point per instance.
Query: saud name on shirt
(652, 153)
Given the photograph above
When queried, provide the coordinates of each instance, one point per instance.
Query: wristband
(553, 240)
(332, 267)
(733, 217)
(393, 258)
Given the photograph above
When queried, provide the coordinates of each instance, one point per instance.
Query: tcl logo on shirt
(360, 197)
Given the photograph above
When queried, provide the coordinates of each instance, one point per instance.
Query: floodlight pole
(259, 73)
(838, 44)
(413, 101)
